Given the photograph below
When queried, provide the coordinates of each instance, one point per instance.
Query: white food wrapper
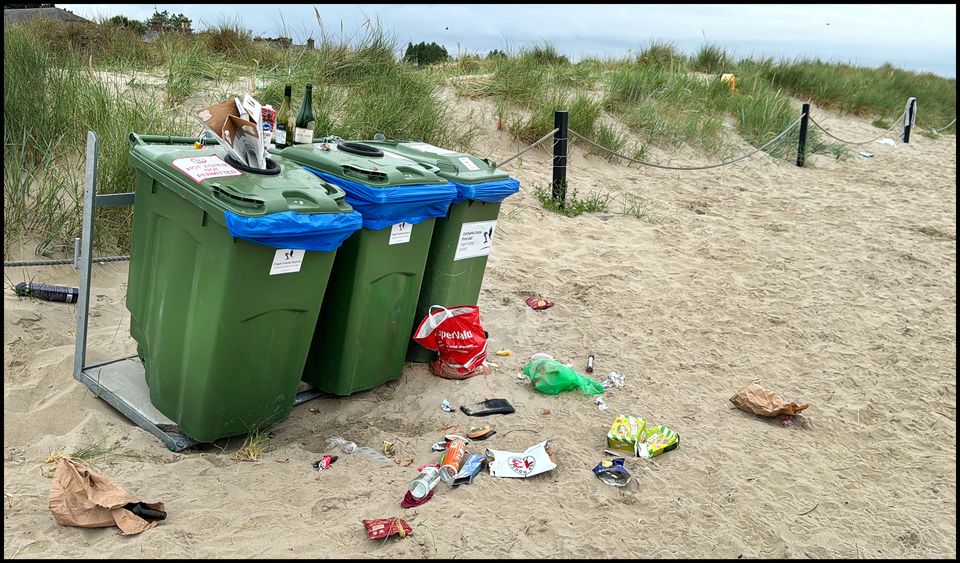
(532, 461)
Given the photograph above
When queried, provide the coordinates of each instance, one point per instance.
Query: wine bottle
(305, 121)
(283, 134)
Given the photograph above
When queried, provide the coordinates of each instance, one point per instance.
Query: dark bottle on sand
(48, 292)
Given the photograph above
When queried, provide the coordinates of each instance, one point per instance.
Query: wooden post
(559, 185)
(911, 112)
(802, 146)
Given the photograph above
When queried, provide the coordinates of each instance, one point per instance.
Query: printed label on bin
(469, 163)
(400, 233)
(287, 261)
(202, 168)
(475, 239)
(427, 147)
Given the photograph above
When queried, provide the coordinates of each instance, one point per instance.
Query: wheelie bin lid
(285, 207)
(475, 178)
(386, 189)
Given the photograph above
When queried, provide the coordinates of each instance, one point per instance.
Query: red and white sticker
(201, 168)
(469, 163)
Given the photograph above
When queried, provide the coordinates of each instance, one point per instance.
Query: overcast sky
(915, 37)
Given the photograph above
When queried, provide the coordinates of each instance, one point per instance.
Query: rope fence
(535, 143)
(897, 121)
(770, 143)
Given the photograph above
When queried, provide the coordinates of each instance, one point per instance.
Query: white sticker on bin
(287, 261)
(400, 233)
(475, 239)
(426, 147)
(469, 163)
(202, 168)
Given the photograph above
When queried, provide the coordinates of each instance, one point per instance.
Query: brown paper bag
(758, 400)
(82, 497)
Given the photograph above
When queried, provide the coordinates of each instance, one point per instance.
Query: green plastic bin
(367, 317)
(223, 325)
(461, 240)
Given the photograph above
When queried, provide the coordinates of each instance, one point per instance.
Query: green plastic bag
(551, 377)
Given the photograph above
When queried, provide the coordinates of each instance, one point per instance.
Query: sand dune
(834, 284)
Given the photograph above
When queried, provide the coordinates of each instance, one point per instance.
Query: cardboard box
(626, 432)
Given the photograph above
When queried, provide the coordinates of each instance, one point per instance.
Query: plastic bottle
(48, 292)
(350, 447)
(425, 482)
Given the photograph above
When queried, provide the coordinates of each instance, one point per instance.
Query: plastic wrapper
(551, 377)
(532, 461)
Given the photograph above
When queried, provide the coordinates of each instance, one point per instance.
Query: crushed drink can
(324, 463)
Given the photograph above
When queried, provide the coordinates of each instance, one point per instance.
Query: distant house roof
(31, 14)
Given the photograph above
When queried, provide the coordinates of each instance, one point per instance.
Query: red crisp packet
(386, 527)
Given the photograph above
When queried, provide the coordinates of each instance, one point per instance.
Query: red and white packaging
(458, 335)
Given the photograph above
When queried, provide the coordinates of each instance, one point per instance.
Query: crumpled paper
(79, 496)
(758, 400)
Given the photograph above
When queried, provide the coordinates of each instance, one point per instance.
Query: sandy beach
(834, 284)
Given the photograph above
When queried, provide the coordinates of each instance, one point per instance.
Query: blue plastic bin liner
(493, 192)
(384, 207)
(322, 232)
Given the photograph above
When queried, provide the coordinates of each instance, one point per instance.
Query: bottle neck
(308, 97)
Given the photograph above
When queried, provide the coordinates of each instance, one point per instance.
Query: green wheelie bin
(368, 312)
(228, 268)
(461, 240)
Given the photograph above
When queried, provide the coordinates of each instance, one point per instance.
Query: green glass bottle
(306, 123)
(286, 122)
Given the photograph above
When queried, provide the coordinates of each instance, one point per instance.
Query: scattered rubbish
(890, 142)
(786, 420)
(404, 462)
(449, 429)
(613, 453)
(865, 154)
(758, 400)
(47, 292)
(472, 466)
(425, 482)
(612, 472)
(439, 446)
(539, 304)
(350, 448)
(635, 435)
(551, 377)
(389, 448)
(452, 460)
(504, 352)
(481, 432)
(523, 377)
(730, 80)
(600, 404)
(462, 342)
(450, 437)
(488, 407)
(590, 363)
(541, 356)
(445, 405)
(314, 410)
(613, 379)
(79, 496)
(325, 462)
(385, 527)
(532, 461)
(545, 412)
(410, 502)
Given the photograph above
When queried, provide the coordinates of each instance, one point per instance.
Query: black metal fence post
(802, 146)
(559, 185)
(911, 112)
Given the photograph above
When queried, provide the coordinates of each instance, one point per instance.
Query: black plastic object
(48, 292)
(272, 168)
(145, 512)
(488, 407)
(360, 149)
